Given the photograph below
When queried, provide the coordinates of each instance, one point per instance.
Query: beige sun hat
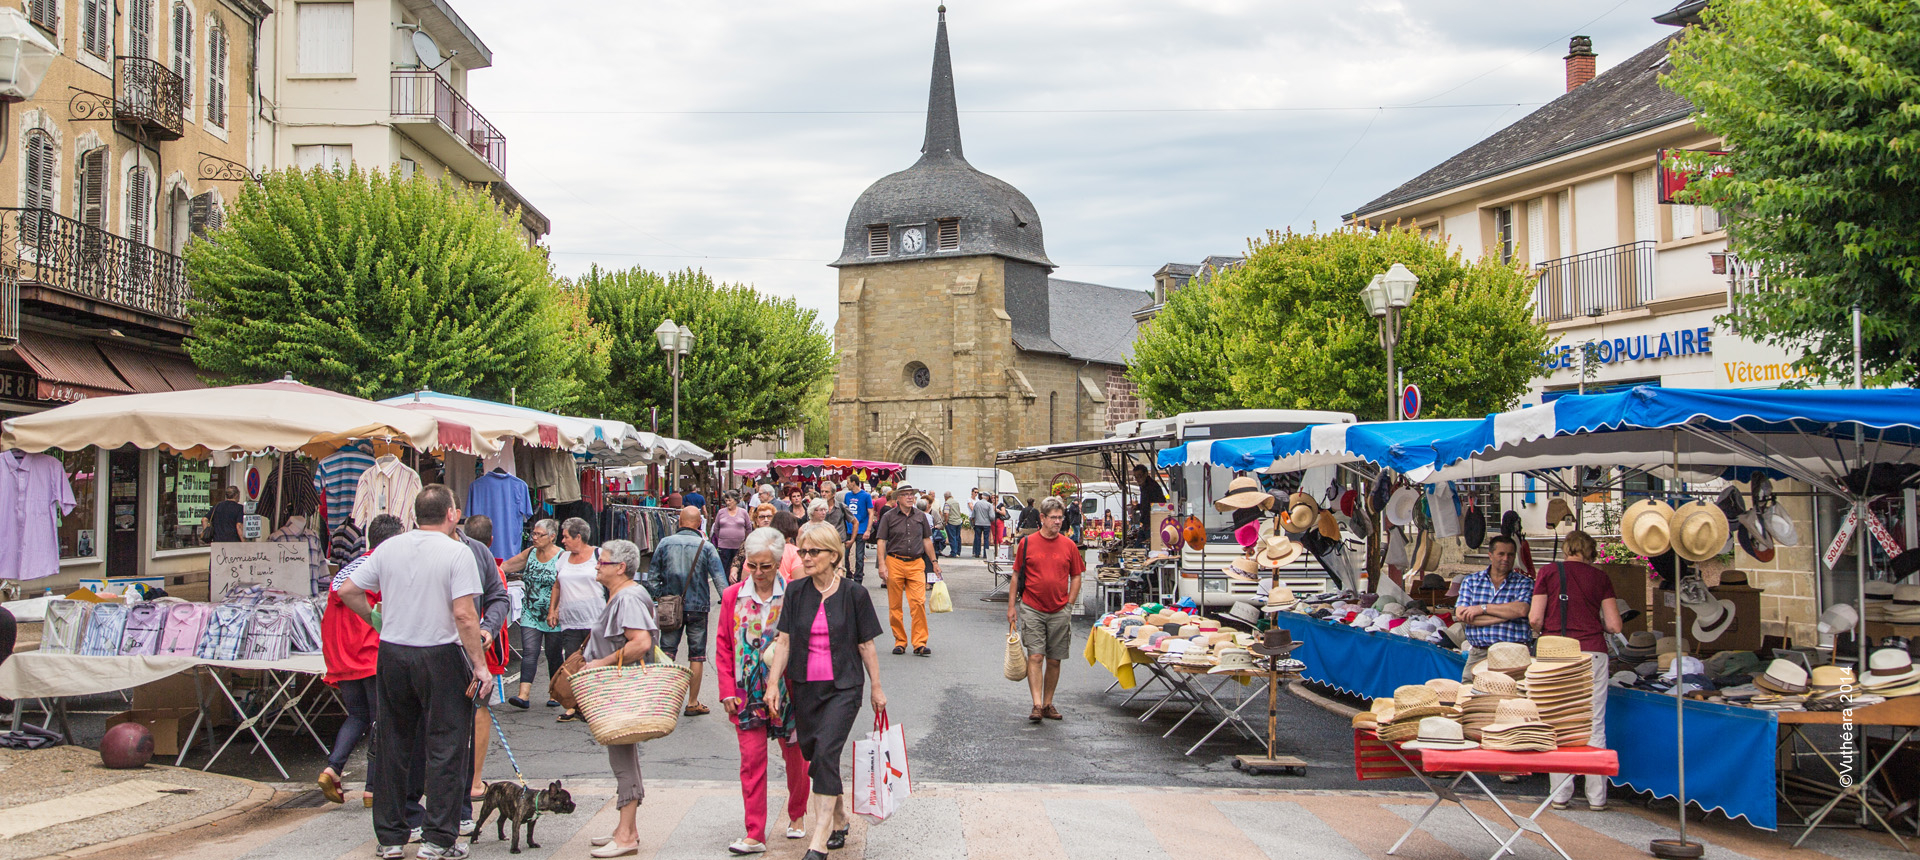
(1415, 701)
(1244, 569)
(1646, 527)
(1276, 552)
(1507, 658)
(1243, 492)
(1302, 513)
(1699, 531)
(1557, 648)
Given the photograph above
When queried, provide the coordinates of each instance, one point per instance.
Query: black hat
(1510, 524)
(1433, 582)
(1377, 497)
(1475, 527)
(1905, 564)
(1276, 642)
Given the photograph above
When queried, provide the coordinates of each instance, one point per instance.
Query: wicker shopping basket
(629, 704)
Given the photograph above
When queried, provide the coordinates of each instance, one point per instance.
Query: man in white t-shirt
(432, 669)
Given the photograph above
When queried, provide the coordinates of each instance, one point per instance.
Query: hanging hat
(1511, 526)
(1558, 512)
(1780, 526)
(1378, 495)
(1397, 549)
(1194, 533)
(1426, 555)
(1400, 506)
(1712, 619)
(1329, 528)
(1276, 552)
(1243, 569)
(1349, 503)
(1302, 513)
(1646, 527)
(1170, 532)
(1699, 531)
(1242, 493)
(1474, 524)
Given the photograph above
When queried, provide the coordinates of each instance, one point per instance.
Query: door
(123, 512)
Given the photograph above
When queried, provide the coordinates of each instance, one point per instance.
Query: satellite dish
(426, 50)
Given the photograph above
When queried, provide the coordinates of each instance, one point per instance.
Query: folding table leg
(1529, 824)
(248, 722)
(1858, 787)
(1232, 716)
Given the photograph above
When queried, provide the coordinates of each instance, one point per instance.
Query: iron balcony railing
(152, 97)
(9, 304)
(83, 260)
(425, 94)
(1595, 283)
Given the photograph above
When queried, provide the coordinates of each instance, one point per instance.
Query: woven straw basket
(1016, 665)
(630, 704)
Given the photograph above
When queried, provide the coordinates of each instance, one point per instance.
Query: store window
(78, 537)
(186, 495)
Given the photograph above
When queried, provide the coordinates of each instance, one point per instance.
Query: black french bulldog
(520, 806)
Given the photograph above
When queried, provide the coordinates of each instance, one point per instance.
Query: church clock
(913, 240)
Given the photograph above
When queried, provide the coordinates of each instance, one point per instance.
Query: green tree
(755, 358)
(1819, 104)
(369, 284)
(1288, 330)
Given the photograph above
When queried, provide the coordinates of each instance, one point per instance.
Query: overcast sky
(734, 137)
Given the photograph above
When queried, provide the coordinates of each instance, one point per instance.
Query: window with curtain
(183, 52)
(325, 38)
(216, 73)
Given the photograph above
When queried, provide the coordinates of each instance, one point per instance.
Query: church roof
(1088, 322)
(995, 218)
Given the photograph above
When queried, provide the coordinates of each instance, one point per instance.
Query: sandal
(567, 716)
(330, 786)
(696, 709)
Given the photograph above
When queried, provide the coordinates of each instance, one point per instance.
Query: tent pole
(1681, 847)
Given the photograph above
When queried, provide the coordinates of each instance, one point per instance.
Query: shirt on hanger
(502, 498)
(553, 471)
(386, 488)
(34, 494)
(337, 479)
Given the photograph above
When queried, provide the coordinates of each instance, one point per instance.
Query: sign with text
(281, 565)
(1838, 547)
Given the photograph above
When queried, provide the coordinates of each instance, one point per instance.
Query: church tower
(948, 323)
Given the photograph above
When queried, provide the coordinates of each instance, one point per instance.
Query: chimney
(1580, 59)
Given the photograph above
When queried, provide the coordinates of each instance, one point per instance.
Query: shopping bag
(1016, 667)
(880, 772)
(939, 599)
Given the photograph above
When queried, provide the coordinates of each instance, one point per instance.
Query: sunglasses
(810, 552)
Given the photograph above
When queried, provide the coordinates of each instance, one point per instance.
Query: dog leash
(506, 746)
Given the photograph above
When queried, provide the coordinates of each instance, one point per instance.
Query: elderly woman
(817, 511)
(749, 613)
(622, 633)
(824, 652)
(730, 526)
(539, 569)
(576, 596)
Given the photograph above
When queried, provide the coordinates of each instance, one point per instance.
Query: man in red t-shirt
(1582, 608)
(1046, 580)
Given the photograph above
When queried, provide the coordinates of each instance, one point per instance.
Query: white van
(1102, 499)
(1192, 489)
(935, 482)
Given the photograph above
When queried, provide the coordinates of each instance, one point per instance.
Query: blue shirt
(1477, 589)
(683, 563)
(861, 503)
(502, 498)
(693, 499)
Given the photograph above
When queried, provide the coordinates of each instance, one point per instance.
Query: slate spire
(943, 116)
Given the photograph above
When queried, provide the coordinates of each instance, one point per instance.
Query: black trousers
(424, 709)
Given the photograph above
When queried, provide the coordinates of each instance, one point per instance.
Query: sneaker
(466, 827)
(430, 851)
(414, 836)
(390, 852)
(744, 845)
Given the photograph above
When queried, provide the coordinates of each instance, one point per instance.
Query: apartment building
(382, 83)
(134, 142)
(1630, 283)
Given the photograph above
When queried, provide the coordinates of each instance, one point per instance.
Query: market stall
(1366, 664)
(806, 473)
(1136, 564)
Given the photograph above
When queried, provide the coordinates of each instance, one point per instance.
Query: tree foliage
(755, 358)
(369, 284)
(1819, 104)
(1289, 330)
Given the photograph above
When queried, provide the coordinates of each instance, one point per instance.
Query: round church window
(919, 375)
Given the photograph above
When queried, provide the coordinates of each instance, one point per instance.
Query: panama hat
(1646, 527)
(1828, 679)
(1233, 660)
(1640, 645)
(1243, 569)
(1507, 658)
(1879, 599)
(1302, 513)
(1890, 667)
(1242, 493)
(1495, 684)
(1280, 599)
(1276, 552)
(1712, 619)
(1699, 531)
(1440, 733)
(1400, 506)
(1785, 677)
(1516, 713)
(1905, 606)
(903, 487)
(1558, 511)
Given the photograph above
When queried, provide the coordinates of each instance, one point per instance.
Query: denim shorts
(695, 629)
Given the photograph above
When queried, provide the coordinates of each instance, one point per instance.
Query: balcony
(92, 263)
(1595, 283)
(9, 305)
(427, 109)
(151, 98)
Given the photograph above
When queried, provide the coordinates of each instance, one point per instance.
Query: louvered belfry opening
(878, 244)
(949, 235)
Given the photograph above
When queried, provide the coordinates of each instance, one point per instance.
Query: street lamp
(676, 341)
(1385, 295)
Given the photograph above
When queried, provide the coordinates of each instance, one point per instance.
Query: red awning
(69, 369)
(151, 371)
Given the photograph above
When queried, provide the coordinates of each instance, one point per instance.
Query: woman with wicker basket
(623, 635)
(824, 651)
(749, 623)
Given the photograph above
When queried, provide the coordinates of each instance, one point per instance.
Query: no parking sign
(1410, 401)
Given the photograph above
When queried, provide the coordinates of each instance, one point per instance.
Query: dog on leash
(521, 806)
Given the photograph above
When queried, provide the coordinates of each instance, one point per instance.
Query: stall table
(1902, 715)
(1370, 665)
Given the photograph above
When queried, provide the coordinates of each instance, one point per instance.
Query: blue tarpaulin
(1366, 664)
(1403, 446)
(1729, 760)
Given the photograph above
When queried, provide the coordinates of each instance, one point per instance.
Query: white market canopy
(607, 441)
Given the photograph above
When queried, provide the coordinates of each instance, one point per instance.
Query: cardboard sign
(281, 565)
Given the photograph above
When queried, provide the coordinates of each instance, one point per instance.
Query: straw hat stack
(1411, 704)
(1509, 658)
(1517, 727)
(1447, 689)
(1490, 690)
(1370, 719)
(1560, 682)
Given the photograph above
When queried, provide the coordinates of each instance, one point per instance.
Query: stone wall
(1123, 399)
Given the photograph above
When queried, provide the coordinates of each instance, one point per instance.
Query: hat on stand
(1244, 613)
(1275, 643)
(1242, 493)
(1276, 552)
(1646, 527)
(1699, 531)
(1905, 606)
(1640, 645)
(1243, 569)
(1280, 599)
(1302, 513)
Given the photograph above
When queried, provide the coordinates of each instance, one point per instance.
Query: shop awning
(1066, 450)
(1405, 447)
(151, 371)
(69, 369)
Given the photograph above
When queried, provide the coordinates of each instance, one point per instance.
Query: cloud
(735, 137)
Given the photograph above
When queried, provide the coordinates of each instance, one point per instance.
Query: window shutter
(1683, 221)
(1566, 223)
(45, 13)
(324, 38)
(1537, 231)
(139, 206)
(216, 216)
(39, 166)
(93, 188)
(183, 51)
(1710, 221)
(217, 75)
(197, 215)
(93, 27)
(1644, 208)
(949, 239)
(877, 244)
(140, 28)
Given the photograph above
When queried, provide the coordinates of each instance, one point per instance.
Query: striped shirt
(337, 479)
(1477, 589)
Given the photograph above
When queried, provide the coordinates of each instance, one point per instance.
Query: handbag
(1016, 668)
(560, 686)
(668, 613)
(630, 704)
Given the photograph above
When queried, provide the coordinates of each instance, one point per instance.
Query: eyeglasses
(810, 552)
(605, 563)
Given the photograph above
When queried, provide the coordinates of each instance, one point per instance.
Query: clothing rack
(642, 525)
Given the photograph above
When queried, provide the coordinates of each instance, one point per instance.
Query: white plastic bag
(881, 778)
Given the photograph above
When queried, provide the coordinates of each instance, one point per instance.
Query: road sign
(1410, 401)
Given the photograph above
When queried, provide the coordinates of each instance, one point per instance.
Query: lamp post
(676, 341)
(1385, 295)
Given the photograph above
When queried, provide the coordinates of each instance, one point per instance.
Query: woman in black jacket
(823, 615)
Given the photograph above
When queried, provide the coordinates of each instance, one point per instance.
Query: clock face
(912, 240)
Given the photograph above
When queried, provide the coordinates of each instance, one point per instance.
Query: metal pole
(1388, 335)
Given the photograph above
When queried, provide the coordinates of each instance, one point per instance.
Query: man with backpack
(1047, 566)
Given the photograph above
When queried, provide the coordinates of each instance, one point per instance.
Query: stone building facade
(954, 341)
